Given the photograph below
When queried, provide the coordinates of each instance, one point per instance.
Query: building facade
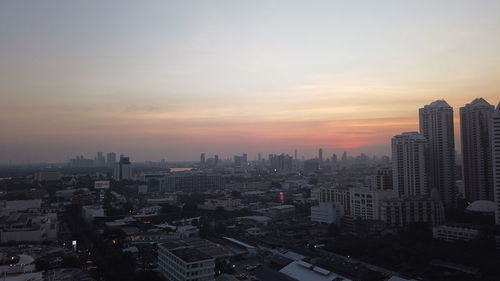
(178, 262)
(408, 165)
(476, 150)
(401, 212)
(436, 125)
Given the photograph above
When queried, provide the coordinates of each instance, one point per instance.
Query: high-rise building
(100, 161)
(495, 130)
(280, 163)
(408, 165)
(320, 155)
(123, 171)
(111, 159)
(382, 180)
(436, 124)
(344, 156)
(476, 149)
(295, 155)
(202, 158)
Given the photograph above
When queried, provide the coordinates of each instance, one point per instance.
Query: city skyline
(171, 80)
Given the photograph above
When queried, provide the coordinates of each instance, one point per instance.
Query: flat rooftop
(190, 255)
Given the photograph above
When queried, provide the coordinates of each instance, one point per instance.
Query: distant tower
(123, 171)
(476, 149)
(436, 124)
(111, 159)
(320, 155)
(202, 158)
(100, 161)
(344, 156)
(334, 159)
(259, 157)
(495, 129)
(216, 159)
(295, 154)
(408, 165)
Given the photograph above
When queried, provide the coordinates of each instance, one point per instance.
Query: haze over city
(167, 79)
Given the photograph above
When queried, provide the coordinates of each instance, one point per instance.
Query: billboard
(101, 184)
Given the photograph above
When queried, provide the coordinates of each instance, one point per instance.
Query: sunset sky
(172, 79)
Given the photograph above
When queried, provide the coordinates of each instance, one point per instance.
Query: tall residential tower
(436, 125)
(476, 149)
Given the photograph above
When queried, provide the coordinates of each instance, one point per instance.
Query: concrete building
(111, 159)
(365, 203)
(180, 262)
(436, 125)
(408, 165)
(123, 171)
(495, 133)
(301, 270)
(90, 212)
(455, 232)
(400, 212)
(476, 149)
(327, 213)
(227, 203)
(278, 212)
(383, 179)
(338, 194)
(171, 183)
(29, 227)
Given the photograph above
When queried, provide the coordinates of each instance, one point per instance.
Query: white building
(408, 164)
(90, 212)
(365, 203)
(454, 232)
(327, 213)
(178, 262)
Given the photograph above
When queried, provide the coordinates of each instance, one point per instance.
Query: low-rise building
(178, 262)
(400, 212)
(28, 227)
(278, 212)
(455, 232)
(90, 212)
(327, 213)
(227, 203)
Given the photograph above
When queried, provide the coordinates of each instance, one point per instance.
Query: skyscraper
(320, 155)
(408, 165)
(111, 159)
(436, 125)
(476, 149)
(100, 161)
(495, 129)
(202, 158)
(123, 171)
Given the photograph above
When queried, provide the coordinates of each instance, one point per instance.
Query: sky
(172, 79)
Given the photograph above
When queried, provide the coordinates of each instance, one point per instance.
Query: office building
(476, 150)
(436, 125)
(320, 155)
(408, 165)
(202, 158)
(123, 171)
